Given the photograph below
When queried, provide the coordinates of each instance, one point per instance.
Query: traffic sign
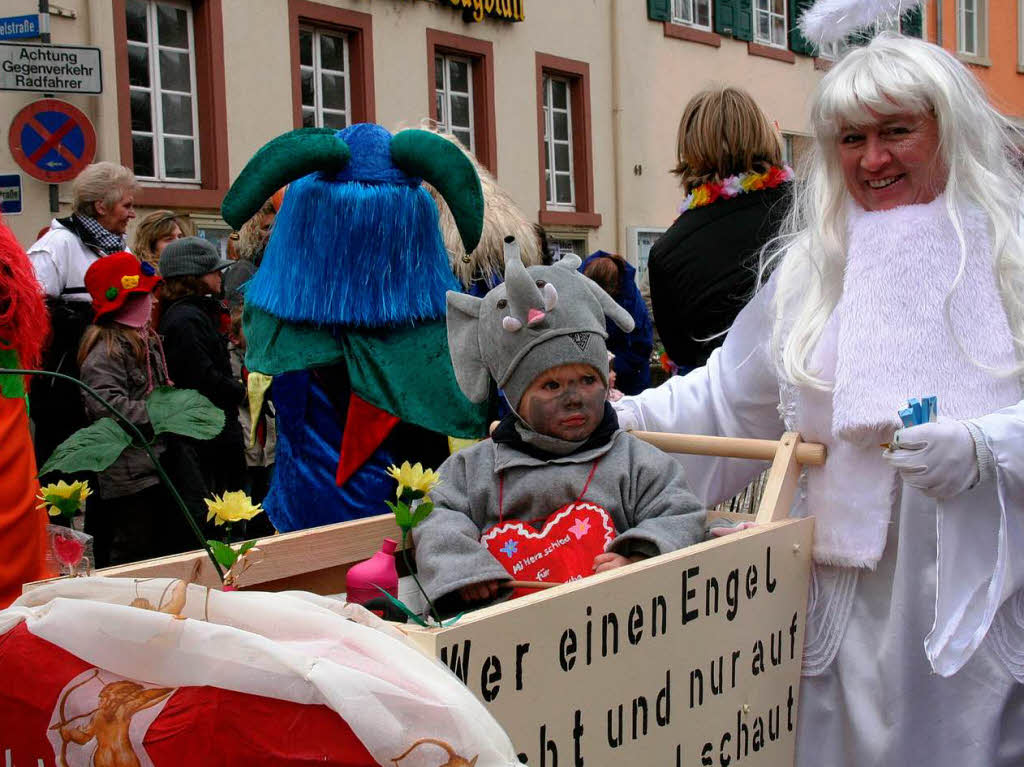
(30, 25)
(50, 68)
(52, 140)
(10, 193)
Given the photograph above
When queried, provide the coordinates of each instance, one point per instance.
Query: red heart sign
(562, 550)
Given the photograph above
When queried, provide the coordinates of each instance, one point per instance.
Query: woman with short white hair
(899, 273)
(103, 202)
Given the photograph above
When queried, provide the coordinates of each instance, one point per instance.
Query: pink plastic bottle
(379, 570)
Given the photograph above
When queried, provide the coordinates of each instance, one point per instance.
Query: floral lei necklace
(733, 186)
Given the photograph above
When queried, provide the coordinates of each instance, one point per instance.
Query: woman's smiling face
(893, 161)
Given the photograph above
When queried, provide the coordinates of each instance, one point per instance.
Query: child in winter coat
(194, 326)
(132, 516)
(559, 491)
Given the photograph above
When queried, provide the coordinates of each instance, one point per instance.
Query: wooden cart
(690, 658)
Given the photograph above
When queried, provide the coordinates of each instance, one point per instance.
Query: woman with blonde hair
(155, 231)
(898, 273)
(735, 193)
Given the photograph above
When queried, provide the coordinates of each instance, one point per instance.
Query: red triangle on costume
(366, 427)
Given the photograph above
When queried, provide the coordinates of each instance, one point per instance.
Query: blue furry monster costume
(347, 312)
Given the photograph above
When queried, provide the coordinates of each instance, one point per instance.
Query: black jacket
(197, 358)
(703, 269)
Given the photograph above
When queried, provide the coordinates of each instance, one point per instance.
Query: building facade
(573, 104)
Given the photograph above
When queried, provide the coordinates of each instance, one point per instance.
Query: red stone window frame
(211, 104)
(481, 54)
(692, 34)
(578, 75)
(359, 28)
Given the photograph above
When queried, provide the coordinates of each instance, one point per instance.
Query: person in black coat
(193, 324)
(702, 270)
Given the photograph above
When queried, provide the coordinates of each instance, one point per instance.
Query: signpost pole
(44, 38)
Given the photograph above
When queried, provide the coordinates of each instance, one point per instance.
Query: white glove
(939, 459)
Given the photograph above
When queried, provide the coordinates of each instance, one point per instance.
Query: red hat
(111, 279)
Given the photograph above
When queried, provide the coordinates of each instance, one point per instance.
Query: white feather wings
(830, 20)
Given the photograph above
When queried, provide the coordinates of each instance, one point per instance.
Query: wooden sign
(692, 658)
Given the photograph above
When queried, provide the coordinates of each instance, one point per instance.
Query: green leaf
(184, 411)
(422, 512)
(405, 610)
(245, 547)
(402, 515)
(93, 448)
(223, 553)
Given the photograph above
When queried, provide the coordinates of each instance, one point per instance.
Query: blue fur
(371, 157)
(303, 493)
(358, 254)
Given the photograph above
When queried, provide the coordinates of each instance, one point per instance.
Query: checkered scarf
(108, 241)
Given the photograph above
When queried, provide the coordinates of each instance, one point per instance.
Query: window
(558, 144)
(162, 86)
(331, 65)
(770, 22)
(565, 143)
(323, 70)
(560, 246)
(692, 13)
(453, 97)
(972, 31)
(460, 80)
(171, 100)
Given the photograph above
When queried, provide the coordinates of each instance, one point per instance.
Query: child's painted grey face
(566, 402)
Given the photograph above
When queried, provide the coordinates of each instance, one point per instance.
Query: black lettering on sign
(769, 581)
(490, 676)
(577, 734)
(732, 593)
(459, 666)
(658, 604)
(689, 593)
(567, 650)
(705, 755)
(751, 581)
(521, 650)
(547, 746)
(663, 714)
(635, 624)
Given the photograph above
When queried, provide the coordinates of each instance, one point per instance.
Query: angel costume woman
(898, 274)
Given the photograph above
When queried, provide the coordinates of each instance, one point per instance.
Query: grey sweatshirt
(641, 488)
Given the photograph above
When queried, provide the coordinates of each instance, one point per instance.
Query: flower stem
(412, 571)
(139, 437)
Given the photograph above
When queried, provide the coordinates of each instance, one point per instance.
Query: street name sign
(10, 194)
(50, 68)
(30, 25)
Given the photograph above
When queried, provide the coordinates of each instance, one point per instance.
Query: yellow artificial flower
(700, 196)
(130, 281)
(233, 507)
(413, 478)
(62, 498)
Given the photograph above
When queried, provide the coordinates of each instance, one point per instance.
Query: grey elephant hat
(537, 319)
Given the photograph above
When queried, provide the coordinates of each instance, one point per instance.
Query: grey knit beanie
(537, 319)
(191, 256)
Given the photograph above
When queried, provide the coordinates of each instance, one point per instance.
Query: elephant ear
(611, 309)
(571, 262)
(464, 345)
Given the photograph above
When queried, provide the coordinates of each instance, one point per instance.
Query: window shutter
(911, 23)
(797, 42)
(734, 18)
(659, 10)
(744, 29)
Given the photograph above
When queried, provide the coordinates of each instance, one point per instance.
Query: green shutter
(797, 42)
(911, 23)
(659, 10)
(733, 17)
(744, 20)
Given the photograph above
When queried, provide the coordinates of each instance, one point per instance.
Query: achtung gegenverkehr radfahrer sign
(50, 68)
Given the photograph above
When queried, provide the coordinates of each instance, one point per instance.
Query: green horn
(290, 156)
(443, 165)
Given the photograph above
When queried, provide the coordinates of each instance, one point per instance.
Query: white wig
(981, 149)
